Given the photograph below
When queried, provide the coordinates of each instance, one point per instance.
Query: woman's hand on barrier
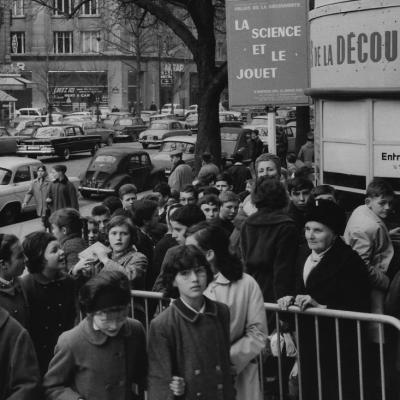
(285, 302)
(304, 301)
(177, 386)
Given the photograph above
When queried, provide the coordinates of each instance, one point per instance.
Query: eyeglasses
(188, 272)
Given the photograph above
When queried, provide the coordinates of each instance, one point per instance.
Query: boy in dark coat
(189, 342)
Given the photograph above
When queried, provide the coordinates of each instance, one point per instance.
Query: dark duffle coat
(93, 366)
(52, 310)
(19, 370)
(269, 242)
(193, 346)
(338, 281)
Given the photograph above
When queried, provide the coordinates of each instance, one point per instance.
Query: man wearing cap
(62, 192)
(181, 173)
(306, 153)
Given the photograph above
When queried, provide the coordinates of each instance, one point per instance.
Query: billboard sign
(267, 52)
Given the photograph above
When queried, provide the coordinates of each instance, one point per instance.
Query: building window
(17, 42)
(90, 7)
(63, 42)
(18, 8)
(62, 7)
(89, 42)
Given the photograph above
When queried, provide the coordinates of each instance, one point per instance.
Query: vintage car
(127, 129)
(109, 121)
(59, 140)
(16, 175)
(186, 144)
(174, 109)
(234, 140)
(112, 167)
(8, 143)
(160, 130)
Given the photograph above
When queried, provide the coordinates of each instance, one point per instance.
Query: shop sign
(356, 49)
(387, 161)
(267, 51)
(67, 94)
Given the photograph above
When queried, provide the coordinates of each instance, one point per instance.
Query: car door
(136, 171)
(70, 141)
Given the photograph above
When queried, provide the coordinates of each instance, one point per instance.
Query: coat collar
(40, 278)
(12, 289)
(221, 280)
(4, 315)
(97, 337)
(191, 316)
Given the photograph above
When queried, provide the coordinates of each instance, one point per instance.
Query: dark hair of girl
(181, 258)
(6, 242)
(34, 246)
(213, 237)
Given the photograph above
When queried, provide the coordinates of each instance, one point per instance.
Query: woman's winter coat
(93, 366)
(248, 329)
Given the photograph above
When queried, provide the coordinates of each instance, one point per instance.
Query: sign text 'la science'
(267, 52)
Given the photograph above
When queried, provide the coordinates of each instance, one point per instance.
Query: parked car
(16, 175)
(25, 133)
(192, 121)
(26, 124)
(160, 130)
(146, 114)
(234, 140)
(112, 167)
(186, 144)
(174, 109)
(191, 110)
(27, 114)
(59, 140)
(109, 121)
(157, 117)
(8, 143)
(127, 129)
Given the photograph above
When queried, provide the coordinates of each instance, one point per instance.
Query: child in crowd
(189, 341)
(66, 226)
(163, 191)
(104, 357)
(12, 265)
(228, 210)
(93, 231)
(188, 195)
(50, 293)
(19, 372)
(127, 194)
(223, 182)
(210, 205)
(101, 214)
(241, 293)
(113, 203)
(323, 192)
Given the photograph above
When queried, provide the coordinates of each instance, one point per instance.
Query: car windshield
(5, 176)
(103, 162)
(259, 121)
(124, 122)
(27, 131)
(48, 132)
(158, 126)
(187, 148)
(229, 136)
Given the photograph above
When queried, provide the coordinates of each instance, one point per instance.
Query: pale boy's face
(110, 322)
(191, 283)
(381, 206)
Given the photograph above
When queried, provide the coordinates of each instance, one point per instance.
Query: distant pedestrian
(153, 106)
(181, 173)
(239, 173)
(306, 153)
(207, 166)
(255, 145)
(38, 190)
(115, 109)
(62, 193)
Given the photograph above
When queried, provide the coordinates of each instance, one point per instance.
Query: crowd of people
(218, 246)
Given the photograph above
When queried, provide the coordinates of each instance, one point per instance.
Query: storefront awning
(5, 97)
(14, 82)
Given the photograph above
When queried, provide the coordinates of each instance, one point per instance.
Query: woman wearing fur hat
(331, 275)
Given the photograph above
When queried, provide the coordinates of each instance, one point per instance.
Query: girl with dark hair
(241, 293)
(12, 265)
(104, 357)
(50, 293)
(189, 341)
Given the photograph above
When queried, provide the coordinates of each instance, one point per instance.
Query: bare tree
(197, 31)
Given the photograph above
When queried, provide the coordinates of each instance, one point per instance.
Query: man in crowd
(181, 173)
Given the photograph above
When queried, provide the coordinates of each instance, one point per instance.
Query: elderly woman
(333, 276)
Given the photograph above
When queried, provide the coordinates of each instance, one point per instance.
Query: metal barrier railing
(316, 318)
(361, 320)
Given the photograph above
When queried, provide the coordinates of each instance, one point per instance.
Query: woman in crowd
(330, 275)
(241, 293)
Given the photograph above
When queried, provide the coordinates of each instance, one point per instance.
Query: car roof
(14, 161)
(163, 121)
(183, 138)
(120, 150)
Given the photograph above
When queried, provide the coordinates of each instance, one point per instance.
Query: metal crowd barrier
(155, 302)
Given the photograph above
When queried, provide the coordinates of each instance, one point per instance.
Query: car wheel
(94, 150)
(110, 141)
(145, 145)
(66, 154)
(9, 214)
